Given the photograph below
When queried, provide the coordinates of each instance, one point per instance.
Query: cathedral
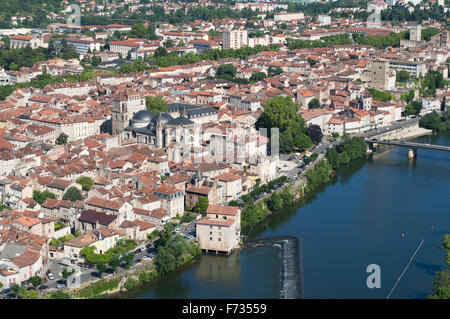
(135, 123)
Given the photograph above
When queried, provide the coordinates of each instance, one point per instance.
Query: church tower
(125, 104)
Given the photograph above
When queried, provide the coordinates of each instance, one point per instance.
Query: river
(355, 220)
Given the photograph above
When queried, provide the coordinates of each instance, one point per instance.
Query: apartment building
(234, 39)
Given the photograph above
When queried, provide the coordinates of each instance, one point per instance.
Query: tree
(431, 121)
(332, 157)
(66, 274)
(40, 197)
(281, 112)
(403, 76)
(257, 76)
(274, 202)
(233, 203)
(114, 263)
(35, 281)
(128, 259)
(15, 288)
(202, 205)
(226, 69)
(73, 194)
(156, 104)
(303, 141)
(314, 104)
(62, 139)
(169, 43)
(85, 182)
(274, 71)
(101, 268)
(315, 133)
(160, 52)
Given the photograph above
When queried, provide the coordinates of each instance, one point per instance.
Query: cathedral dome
(163, 117)
(142, 118)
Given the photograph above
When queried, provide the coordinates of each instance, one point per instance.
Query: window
(210, 238)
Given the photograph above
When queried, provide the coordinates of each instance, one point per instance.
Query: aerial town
(116, 131)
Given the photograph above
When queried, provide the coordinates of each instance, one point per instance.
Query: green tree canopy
(314, 104)
(156, 104)
(85, 182)
(40, 197)
(73, 194)
(62, 139)
(202, 205)
(281, 112)
(226, 69)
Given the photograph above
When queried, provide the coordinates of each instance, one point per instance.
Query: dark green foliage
(73, 194)
(62, 139)
(85, 182)
(380, 95)
(226, 69)
(233, 203)
(315, 133)
(326, 41)
(434, 122)
(35, 281)
(173, 251)
(274, 71)
(160, 52)
(413, 108)
(257, 76)
(281, 112)
(332, 157)
(156, 104)
(319, 175)
(187, 218)
(314, 104)
(441, 286)
(274, 202)
(393, 39)
(202, 205)
(40, 197)
(403, 76)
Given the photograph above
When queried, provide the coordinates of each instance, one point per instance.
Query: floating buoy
(403, 235)
(431, 227)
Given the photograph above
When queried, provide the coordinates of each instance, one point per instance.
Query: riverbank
(344, 224)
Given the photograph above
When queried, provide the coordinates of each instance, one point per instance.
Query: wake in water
(291, 274)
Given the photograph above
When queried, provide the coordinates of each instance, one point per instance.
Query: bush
(130, 283)
(98, 287)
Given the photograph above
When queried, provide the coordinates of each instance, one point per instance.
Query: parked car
(6, 291)
(146, 257)
(43, 287)
(50, 275)
(58, 286)
(137, 251)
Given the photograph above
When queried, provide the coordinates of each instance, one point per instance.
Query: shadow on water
(419, 295)
(348, 170)
(291, 270)
(428, 268)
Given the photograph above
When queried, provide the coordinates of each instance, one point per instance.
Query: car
(58, 286)
(43, 287)
(137, 251)
(6, 291)
(146, 257)
(50, 276)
